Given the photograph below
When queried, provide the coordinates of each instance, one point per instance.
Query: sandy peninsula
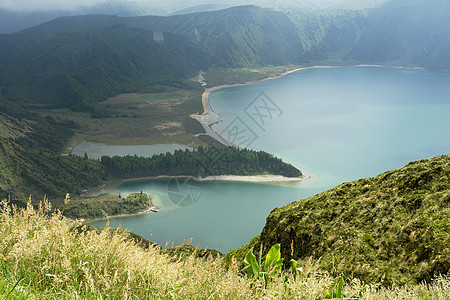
(238, 178)
(152, 208)
(209, 117)
(255, 178)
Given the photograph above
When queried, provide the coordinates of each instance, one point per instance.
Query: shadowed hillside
(30, 159)
(79, 61)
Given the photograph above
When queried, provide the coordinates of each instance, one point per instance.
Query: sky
(45, 5)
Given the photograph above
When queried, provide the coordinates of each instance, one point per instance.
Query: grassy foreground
(42, 257)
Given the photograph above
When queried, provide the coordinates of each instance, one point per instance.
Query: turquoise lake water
(336, 124)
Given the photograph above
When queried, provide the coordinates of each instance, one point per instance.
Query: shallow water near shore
(337, 124)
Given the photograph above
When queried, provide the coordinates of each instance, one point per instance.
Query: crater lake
(336, 124)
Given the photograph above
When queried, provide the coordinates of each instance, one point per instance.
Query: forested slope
(79, 67)
(30, 159)
(79, 61)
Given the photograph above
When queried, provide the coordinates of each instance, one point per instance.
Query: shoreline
(256, 178)
(153, 208)
(230, 178)
(264, 179)
(209, 117)
(205, 96)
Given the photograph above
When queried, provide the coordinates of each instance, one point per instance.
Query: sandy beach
(153, 208)
(239, 178)
(209, 117)
(255, 178)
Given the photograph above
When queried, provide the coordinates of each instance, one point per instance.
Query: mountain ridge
(152, 49)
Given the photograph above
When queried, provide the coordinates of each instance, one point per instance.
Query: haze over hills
(77, 67)
(391, 229)
(416, 31)
(30, 159)
(78, 61)
(19, 15)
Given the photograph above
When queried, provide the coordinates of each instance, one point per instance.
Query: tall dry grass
(42, 258)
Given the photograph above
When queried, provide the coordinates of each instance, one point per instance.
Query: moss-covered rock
(393, 228)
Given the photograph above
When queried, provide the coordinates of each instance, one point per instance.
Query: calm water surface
(97, 150)
(336, 124)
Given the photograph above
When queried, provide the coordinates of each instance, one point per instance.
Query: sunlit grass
(42, 258)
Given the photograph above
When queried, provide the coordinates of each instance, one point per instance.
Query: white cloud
(44, 5)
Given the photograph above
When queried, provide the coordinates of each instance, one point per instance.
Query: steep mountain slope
(78, 61)
(12, 20)
(29, 158)
(327, 35)
(234, 37)
(407, 32)
(253, 36)
(14, 45)
(393, 228)
(77, 68)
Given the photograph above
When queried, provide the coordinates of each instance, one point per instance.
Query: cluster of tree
(31, 163)
(30, 159)
(200, 163)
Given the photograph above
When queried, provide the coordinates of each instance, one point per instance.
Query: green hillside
(328, 35)
(393, 228)
(15, 45)
(30, 159)
(104, 205)
(78, 68)
(44, 256)
(79, 61)
(235, 37)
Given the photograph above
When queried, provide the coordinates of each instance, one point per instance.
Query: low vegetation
(160, 115)
(392, 229)
(220, 76)
(31, 162)
(30, 159)
(43, 257)
(105, 205)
